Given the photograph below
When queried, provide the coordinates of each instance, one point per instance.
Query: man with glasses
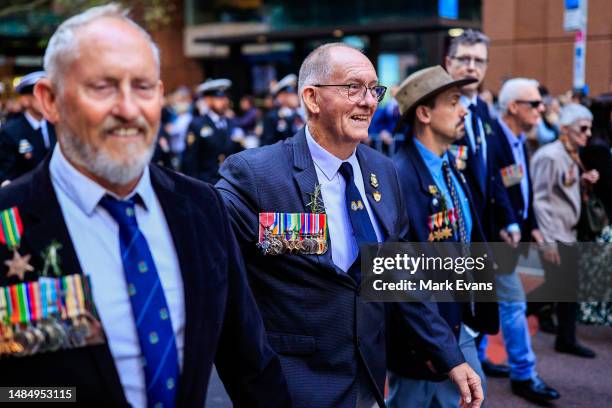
(468, 58)
(521, 107)
(331, 343)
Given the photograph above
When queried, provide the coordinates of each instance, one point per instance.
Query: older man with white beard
(167, 279)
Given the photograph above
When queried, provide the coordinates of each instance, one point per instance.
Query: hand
(537, 236)
(511, 238)
(469, 385)
(552, 256)
(591, 176)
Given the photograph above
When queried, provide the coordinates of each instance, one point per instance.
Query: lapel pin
(377, 196)
(373, 180)
(433, 189)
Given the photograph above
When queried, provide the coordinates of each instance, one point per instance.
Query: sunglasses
(534, 104)
(584, 128)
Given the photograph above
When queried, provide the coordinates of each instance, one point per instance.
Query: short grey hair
(572, 113)
(316, 68)
(511, 90)
(468, 37)
(63, 45)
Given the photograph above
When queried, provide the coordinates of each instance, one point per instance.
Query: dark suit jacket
(415, 181)
(223, 325)
(204, 154)
(12, 163)
(504, 158)
(491, 200)
(314, 316)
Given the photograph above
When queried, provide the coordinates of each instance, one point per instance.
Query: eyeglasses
(466, 61)
(356, 92)
(535, 104)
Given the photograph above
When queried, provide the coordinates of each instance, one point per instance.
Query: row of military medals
(441, 224)
(293, 233)
(49, 314)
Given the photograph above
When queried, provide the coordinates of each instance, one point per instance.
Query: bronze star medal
(19, 265)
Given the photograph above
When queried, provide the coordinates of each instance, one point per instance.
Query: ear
(47, 97)
(447, 62)
(311, 102)
(513, 108)
(423, 114)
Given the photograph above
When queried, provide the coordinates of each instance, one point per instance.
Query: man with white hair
(557, 174)
(521, 107)
(167, 279)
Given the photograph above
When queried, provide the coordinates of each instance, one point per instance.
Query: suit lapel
(305, 176)
(177, 211)
(378, 207)
(44, 223)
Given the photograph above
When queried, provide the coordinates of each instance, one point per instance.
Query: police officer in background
(286, 119)
(212, 136)
(25, 139)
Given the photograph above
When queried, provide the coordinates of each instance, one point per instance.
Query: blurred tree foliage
(155, 14)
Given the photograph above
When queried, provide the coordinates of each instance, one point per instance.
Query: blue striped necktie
(360, 219)
(149, 307)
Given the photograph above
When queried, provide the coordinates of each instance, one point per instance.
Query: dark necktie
(481, 171)
(462, 238)
(360, 219)
(149, 307)
(462, 232)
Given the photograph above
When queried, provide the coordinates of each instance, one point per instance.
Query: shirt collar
(465, 101)
(324, 160)
(514, 140)
(32, 121)
(85, 192)
(432, 160)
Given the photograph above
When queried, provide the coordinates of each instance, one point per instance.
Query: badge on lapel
(206, 131)
(25, 148)
(374, 183)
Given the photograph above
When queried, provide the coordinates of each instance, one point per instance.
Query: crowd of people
(258, 270)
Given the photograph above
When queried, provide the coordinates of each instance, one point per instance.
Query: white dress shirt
(95, 236)
(343, 243)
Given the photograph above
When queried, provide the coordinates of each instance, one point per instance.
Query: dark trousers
(560, 289)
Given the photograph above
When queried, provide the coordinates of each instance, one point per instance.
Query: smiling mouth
(125, 132)
(361, 118)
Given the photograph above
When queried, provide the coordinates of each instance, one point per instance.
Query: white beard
(98, 162)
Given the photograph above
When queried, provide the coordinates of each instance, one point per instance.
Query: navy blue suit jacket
(491, 200)
(314, 316)
(504, 158)
(222, 323)
(415, 181)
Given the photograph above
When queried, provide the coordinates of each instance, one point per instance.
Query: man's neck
(35, 114)
(118, 189)
(341, 151)
(512, 124)
(432, 142)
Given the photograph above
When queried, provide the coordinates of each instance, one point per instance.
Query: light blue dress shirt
(434, 165)
(466, 102)
(343, 244)
(95, 237)
(517, 145)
